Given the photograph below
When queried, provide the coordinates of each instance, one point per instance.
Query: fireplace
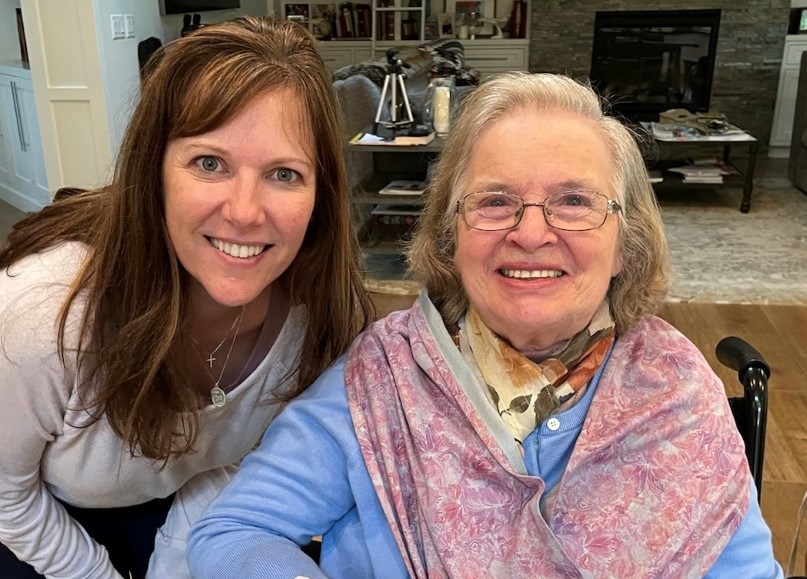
(646, 62)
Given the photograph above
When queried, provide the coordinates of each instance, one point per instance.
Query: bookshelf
(399, 20)
(395, 23)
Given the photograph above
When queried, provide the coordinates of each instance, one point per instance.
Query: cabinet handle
(18, 113)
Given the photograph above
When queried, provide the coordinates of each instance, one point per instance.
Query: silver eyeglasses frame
(611, 206)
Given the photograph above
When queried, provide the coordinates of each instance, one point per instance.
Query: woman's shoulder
(653, 334)
(33, 291)
(58, 266)
(655, 352)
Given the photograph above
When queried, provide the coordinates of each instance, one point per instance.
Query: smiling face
(238, 199)
(534, 285)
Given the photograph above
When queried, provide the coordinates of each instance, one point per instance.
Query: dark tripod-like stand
(395, 80)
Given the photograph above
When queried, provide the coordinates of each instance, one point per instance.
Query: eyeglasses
(569, 210)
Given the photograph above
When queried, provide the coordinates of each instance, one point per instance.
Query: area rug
(720, 255)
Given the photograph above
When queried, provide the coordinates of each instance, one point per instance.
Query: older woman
(528, 416)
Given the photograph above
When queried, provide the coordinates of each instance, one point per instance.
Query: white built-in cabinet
(782, 128)
(488, 55)
(23, 180)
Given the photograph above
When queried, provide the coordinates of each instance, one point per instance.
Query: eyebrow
(215, 149)
(567, 185)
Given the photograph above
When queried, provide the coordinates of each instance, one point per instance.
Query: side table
(727, 141)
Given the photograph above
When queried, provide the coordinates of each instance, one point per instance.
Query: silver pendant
(218, 397)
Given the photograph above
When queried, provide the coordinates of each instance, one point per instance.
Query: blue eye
(575, 199)
(492, 200)
(209, 164)
(286, 175)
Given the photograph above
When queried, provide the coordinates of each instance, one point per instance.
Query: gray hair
(642, 284)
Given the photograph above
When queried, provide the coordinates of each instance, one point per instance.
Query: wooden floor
(780, 334)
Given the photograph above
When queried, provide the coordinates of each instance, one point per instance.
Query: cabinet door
(785, 108)
(8, 132)
(38, 179)
(336, 58)
(24, 172)
(489, 60)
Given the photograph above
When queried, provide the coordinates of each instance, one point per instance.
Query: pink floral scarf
(656, 485)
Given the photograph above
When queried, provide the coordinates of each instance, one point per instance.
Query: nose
(243, 204)
(533, 230)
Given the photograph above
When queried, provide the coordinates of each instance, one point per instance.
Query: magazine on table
(403, 187)
(388, 209)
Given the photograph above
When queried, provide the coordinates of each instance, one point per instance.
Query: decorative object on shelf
(187, 27)
(496, 25)
(445, 24)
(475, 24)
(518, 19)
(438, 104)
(484, 8)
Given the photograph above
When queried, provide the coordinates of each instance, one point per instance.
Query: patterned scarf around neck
(524, 392)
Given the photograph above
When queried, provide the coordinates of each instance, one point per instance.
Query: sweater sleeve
(35, 389)
(749, 551)
(293, 487)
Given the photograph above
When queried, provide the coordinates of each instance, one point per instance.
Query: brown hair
(638, 289)
(136, 289)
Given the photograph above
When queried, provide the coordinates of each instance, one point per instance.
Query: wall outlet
(118, 27)
(128, 24)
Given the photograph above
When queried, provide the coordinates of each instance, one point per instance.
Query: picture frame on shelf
(485, 8)
(445, 24)
(322, 20)
(431, 31)
(297, 12)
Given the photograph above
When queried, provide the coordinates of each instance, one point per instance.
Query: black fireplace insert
(646, 62)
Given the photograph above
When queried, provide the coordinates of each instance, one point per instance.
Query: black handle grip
(739, 355)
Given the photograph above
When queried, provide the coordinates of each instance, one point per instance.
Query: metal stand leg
(393, 82)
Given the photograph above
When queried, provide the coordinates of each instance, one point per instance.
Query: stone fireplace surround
(749, 49)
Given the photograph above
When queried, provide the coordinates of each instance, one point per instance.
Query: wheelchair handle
(739, 355)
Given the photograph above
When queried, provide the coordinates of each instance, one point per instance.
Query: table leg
(745, 205)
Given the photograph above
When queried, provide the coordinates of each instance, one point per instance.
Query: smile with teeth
(236, 250)
(531, 273)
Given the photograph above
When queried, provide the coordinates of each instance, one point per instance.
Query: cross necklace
(217, 395)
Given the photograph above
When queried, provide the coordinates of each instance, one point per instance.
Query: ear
(616, 268)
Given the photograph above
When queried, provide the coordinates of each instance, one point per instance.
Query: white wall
(119, 64)
(9, 40)
(85, 82)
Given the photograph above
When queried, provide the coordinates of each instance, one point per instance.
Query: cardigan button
(553, 424)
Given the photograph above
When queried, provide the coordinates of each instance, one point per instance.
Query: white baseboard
(778, 152)
(21, 202)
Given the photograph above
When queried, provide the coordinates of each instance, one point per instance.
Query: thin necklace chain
(210, 357)
(217, 396)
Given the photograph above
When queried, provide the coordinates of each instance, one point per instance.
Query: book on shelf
(364, 23)
(403, 187)
(702, 173)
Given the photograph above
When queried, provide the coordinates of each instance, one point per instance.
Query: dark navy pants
(127, 533)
